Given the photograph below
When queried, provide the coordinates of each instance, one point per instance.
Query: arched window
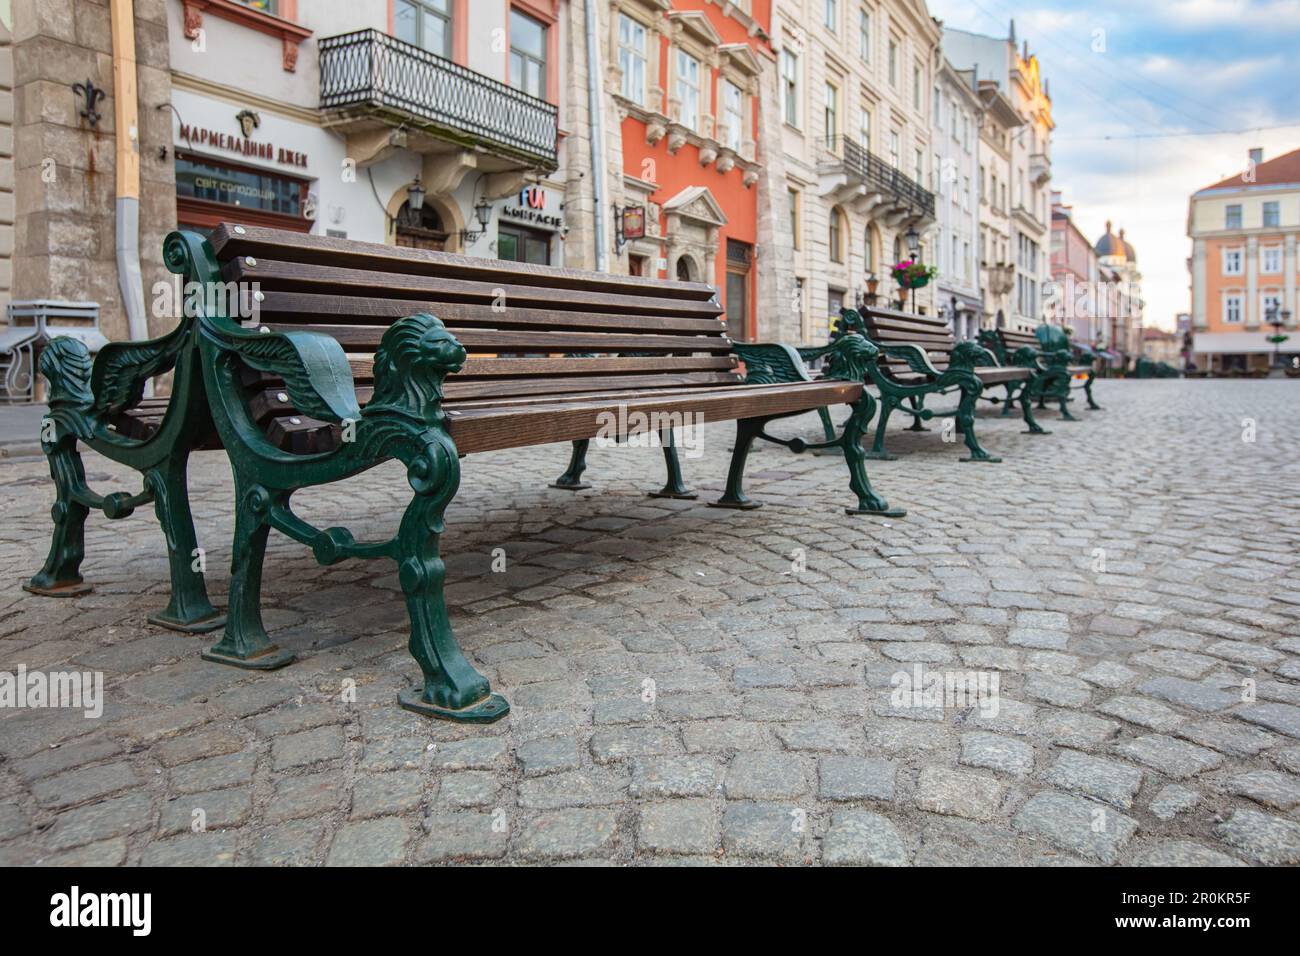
(420, 230)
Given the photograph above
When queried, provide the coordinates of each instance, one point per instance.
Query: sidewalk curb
(20, 449)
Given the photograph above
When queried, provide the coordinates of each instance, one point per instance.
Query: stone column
(777, 315)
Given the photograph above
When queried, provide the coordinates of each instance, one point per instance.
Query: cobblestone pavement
(1132, 582)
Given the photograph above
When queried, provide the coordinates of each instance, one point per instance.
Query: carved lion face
(972, 353)
(418, 345)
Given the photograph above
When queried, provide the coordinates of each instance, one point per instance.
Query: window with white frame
(864, 35)
(952, 117)
(830, 14)
(733, 114)
(1232, 309)
(528, 42)
(1232, 216)
(832, 113)
(895, 149)
(1269, 304)
(965, 193)
(918, 166)
(793, 195)
(632, 58)
(1270, 260)
(425, 23)
(1232, 261)
(893, 62)
(864, 128)
(790, 87)
(916, 88)
(688, 90)
(1272, 213)
(938, 108)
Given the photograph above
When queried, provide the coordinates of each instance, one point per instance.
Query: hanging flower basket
(910, 274)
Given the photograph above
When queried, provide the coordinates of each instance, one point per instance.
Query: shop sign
(530, 208)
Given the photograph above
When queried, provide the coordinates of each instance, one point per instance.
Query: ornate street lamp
(1277, 320)
(415, 198)
(483, 213)
(913, 239)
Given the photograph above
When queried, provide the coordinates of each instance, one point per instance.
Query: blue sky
(1163, 67)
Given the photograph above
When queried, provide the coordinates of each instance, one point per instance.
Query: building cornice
(242, 97)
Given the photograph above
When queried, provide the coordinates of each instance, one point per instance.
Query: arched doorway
(422, 230)
(687, 270)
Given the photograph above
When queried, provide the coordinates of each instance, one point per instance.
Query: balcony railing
(884, 176)
(369, 68)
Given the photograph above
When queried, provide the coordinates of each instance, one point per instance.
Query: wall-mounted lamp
(483, 213)
(415, 197)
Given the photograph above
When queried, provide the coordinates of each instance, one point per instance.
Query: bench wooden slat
(307, 308)
(505, 340)
(306, 277)
(265, 243)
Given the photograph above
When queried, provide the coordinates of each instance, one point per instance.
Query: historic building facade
(957, 113)
(1075, 277)
(1016, 73)
(674, 188)
(1120, 305)
(856, 93)
(1244, 232)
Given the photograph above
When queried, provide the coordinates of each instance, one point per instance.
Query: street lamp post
(914, 250)
(1278, 320)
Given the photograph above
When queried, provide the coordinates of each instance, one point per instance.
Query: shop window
(424, 23)
(739, 257)
(210, 191)
(519, 244)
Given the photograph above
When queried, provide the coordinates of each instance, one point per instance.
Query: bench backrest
(890, 327)
(531, 331)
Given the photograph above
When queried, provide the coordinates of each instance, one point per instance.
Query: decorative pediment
(696, 203)
(740, 55)
(697, 25)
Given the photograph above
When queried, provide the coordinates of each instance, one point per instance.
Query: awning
(1253, 342)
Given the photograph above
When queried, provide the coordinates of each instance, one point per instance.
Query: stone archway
(444, 208)
(694, 218)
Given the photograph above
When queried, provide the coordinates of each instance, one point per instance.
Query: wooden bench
(345, 366)
(1054, 363)
(920, 357)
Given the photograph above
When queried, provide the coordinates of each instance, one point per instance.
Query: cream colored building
(856, 82)
(1001, 123)
(1016, 73)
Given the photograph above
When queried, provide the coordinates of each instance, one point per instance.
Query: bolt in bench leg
(571, 480)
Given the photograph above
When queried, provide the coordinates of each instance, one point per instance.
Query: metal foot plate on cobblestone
(578, 487)
(61, 591)
(201, 626)
(994, 460)
(737, 505)
(683, 496)
(887, 513)
(491, 708)
(273, 659)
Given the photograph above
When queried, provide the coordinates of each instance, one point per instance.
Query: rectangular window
(1232, 262)
(1232, 216)
(733, 114)
(1272, 213)
(520, 244)
(794, 216)
(916, 88)
(790, 87)
(1270, 306)
(1270, 260)
(965, 193)
(918, 166)
(893, 62)
(830, 14)
(1232, 309)
(864, 36)
(527, 54)
(938, 108)
(895, 149)
(864, 129)
(632, 58)
(425, 23)
(832, 114)
(688, 90)
(834, 237)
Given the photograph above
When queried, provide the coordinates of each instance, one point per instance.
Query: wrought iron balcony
(371, 71)
(880, 175)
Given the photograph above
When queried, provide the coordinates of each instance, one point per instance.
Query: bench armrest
(769, 363)
(917, 359)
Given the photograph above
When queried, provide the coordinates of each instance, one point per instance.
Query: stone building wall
(65, 167)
